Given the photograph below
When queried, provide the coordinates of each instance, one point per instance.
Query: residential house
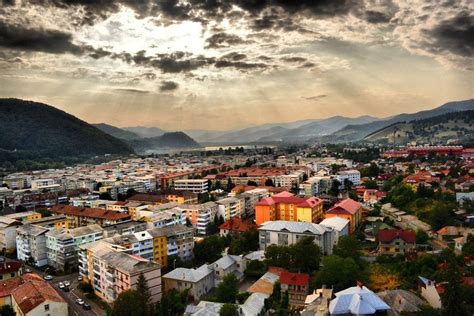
(402, 302)
(228, 264)
(199, 281)
(235, 226)
(396, 242)
(317, 303)
(340, 226)
(297, 286)
(10, 269)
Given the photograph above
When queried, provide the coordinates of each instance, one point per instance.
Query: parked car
(28, 270)
(67, 283)
(61, 285)
(80, 301)
(79, 278)
(48, 277)
(86, 307)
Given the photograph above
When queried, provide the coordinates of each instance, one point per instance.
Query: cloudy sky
(221, 64)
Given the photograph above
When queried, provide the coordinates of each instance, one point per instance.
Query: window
(12, 274)
(46, 307)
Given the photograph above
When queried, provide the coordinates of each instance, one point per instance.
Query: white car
(67, 283)
(48, 277)
(61, 285)
(80, 301)
(79, 278)
(28, 270)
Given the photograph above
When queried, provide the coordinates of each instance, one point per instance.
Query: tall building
(111, 271)
(31, 244)
(348, 209)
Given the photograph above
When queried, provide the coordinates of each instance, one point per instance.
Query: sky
(227, 64)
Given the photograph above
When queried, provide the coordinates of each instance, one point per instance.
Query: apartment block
(285, 206)
(285, 233)
(192, 185)
(8, 228)
(111, 271)
(230, 207)
(63, 245)
(83, 216)
(31, 244)
(200, 215)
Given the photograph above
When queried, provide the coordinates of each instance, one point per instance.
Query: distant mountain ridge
(145, 132)
(448, 126)
(32, 129)
(353, 133)
(116, 132)
(167, 140)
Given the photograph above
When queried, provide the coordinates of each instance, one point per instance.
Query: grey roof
(295, 227)
(32, 230)
(6, 221)
(86, 230)
(402, 301)
(225, 262)
(189, 275)
(128, 263)
(170, 230)
(336, 222)
(256, 255)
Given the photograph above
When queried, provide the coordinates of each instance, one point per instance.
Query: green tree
(128, 303)
(7, 310)
(468, 248)
(338, 272)
(229, 310)
(334, 190)
(453, 299)
(421, 237)
(208, 250)
(244, 243)
(44, 212)
(255, 269)
(348, 247)
(173, 303)
(306, 255)
(371, 184)
(440, 216)
(143, 289)
(227, 290)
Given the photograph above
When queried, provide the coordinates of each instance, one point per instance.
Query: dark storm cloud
(316, 97)
(132, 91)
(455, 35)
(41, 40)
(168, 86)
(375, 17)
(223, 39)
(294, 59)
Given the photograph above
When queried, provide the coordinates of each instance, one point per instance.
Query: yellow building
(160, 250)
(25, 216)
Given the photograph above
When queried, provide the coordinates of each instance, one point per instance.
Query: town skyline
(182, 65)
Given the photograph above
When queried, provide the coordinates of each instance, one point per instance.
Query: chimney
(360, 284)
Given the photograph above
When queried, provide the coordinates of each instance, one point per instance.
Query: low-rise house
(24, 216)
(285, 233)
(199, 281)
(372, 196)
(395, 241)
(235, 226)
(357, 300)
(265, 284)
(10, 269)
(402, 302)
(339, 224)
(297, 286)
(317, 303)
(422, 177)
(253, 305)
(430, 292)
(30, 295)
(228, 264)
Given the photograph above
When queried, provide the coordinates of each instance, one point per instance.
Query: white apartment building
(8, 228)
(63, 245)
(31, 244)
(352, 175)
(285, 233)
(230, 207)
(44, 184)
(200, 215)
(193, 185)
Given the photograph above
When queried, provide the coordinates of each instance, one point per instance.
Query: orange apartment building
(348, 209)
(287, 207)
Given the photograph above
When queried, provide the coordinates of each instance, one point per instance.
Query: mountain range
(334, 129)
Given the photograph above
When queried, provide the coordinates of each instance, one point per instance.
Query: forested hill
(32, 130)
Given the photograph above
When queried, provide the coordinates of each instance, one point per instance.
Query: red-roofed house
(37, 297)
(372, 196)
(83, 216)
(297, 285)
(348, 209)
(287, 207)
(235, 226)
(395, 241)
(10, 269)
(421, 177)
